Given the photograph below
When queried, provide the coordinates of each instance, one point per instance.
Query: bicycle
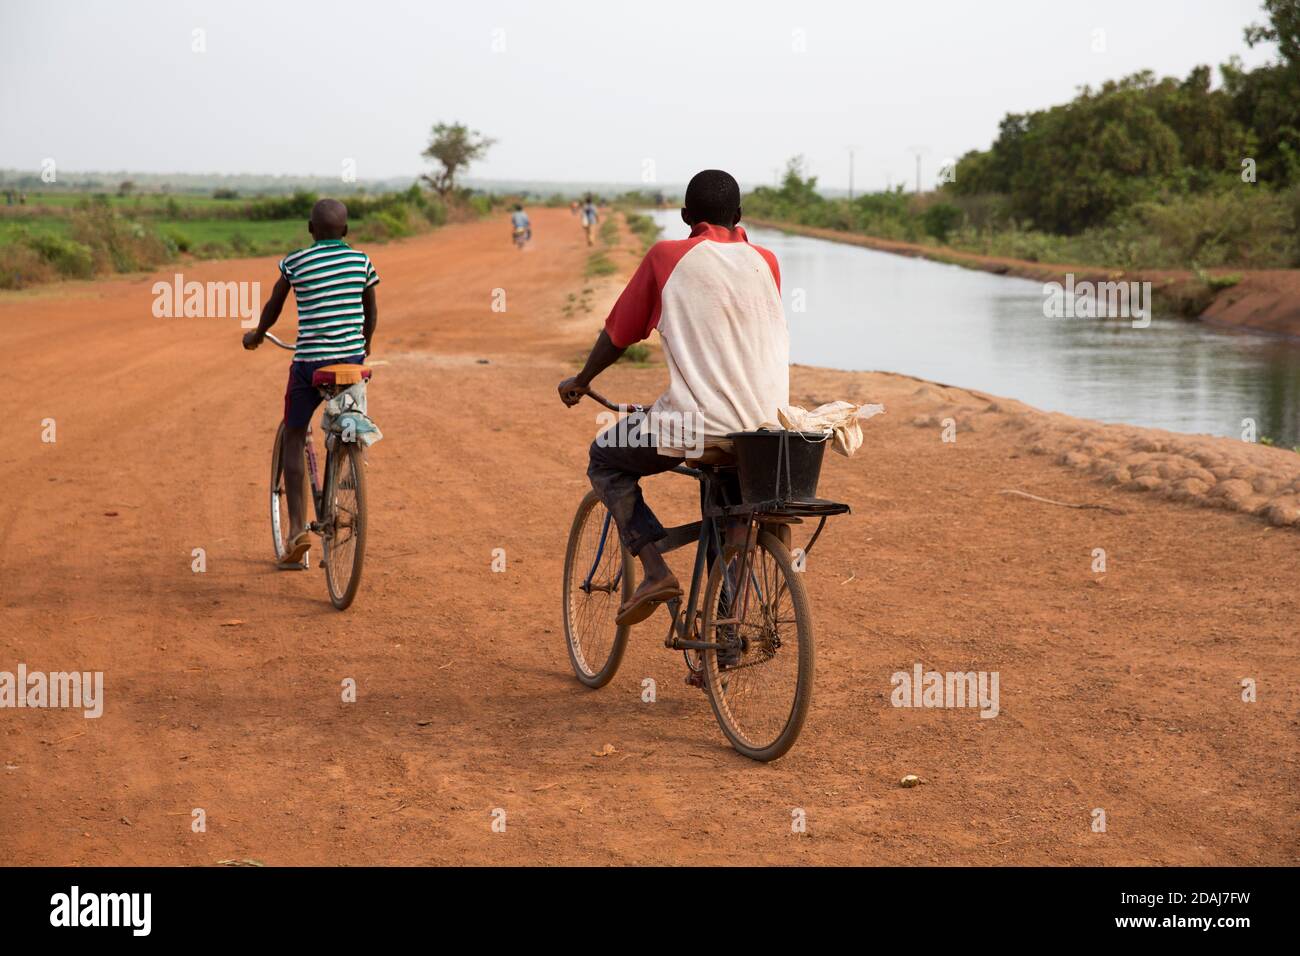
(521, 237)
(748, 640)
(339, 502)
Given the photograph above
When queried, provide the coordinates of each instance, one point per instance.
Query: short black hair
(713, 195)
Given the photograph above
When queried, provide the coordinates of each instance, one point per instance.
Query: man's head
(329, 220)
(518, 208)
(712, 196)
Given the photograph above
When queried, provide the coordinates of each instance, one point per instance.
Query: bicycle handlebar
(284, 345)
(596, 396)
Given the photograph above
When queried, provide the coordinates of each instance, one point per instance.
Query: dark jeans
(621, 456)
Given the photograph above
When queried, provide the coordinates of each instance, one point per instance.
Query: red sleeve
(636, 313)
(771, 264)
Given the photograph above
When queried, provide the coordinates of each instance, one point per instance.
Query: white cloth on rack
(841, 419)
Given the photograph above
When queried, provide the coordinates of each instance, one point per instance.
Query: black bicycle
(339, 501)
(746, 632)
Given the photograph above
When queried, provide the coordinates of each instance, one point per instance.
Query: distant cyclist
(589, 219)
(521, 228)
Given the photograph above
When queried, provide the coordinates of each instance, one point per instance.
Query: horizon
(815, 84)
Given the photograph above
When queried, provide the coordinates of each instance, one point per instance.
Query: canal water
(854, 308)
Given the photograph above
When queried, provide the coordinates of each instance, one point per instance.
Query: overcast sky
(572, 91)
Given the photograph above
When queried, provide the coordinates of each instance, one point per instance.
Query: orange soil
(1119, 691)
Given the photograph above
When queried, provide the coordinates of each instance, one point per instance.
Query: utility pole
(850, 174)
(918, 150)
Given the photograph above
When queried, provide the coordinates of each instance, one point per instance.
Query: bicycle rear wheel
(344, 522)
(280, 500)
(598, 576)
(761, 685)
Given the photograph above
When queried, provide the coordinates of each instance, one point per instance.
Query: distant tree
(1283, 29)
(125, 188)
(453, 146)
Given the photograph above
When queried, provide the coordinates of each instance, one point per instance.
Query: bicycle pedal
(694, 679)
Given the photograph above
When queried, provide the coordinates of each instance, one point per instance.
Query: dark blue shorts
(301, 397)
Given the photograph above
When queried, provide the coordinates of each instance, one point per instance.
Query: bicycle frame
(313, 465)
(707, 536)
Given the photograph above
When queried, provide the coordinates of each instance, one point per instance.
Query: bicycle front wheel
(598, 576)
(344, 524)
(760, 681)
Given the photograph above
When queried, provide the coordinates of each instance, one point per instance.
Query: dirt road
(1119, 691)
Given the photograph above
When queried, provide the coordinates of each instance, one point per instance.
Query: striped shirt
(328, 278)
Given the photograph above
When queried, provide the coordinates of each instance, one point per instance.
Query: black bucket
(779, 465)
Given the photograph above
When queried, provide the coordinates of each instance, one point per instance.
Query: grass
(599, 264)
(71, 234)
(609, 232)
(638, 354)
(643, 227)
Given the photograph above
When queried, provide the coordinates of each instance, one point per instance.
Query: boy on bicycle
(334, 287)
(716, 300)
(519, 223)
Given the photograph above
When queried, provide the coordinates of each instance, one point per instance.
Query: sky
(611, 91)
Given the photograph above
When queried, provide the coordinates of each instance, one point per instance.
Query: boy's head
(518, 207)
(712, 196)
(329, 220)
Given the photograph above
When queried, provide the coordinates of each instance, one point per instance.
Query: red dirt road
(1119, 691)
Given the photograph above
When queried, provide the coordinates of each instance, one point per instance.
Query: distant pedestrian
(589, 219)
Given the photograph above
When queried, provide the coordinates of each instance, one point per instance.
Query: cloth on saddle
(345, 414)
(843, 420)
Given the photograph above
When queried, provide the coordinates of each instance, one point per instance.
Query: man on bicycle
(334, 287)
(716, 301)
(521, 227)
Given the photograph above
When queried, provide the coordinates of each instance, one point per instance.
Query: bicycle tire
(717, 682)
(346, 461)
(601, 616)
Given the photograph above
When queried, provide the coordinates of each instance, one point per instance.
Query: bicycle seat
(713, 455)
(342, 374)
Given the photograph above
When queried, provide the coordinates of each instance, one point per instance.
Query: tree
(1283, 29)
(453, 146)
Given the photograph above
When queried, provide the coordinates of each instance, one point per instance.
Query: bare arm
(603, 354)
(270, 314)
(370, 306)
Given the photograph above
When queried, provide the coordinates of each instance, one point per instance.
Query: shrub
(116, 243)
(297, 206)
(940, 219)
(67, 256)
(21, 266)
(179, 240)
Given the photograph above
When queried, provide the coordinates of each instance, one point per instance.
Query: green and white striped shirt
(328, 278)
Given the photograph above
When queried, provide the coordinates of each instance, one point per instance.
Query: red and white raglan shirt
(716, 301)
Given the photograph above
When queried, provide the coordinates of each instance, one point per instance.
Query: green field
(69, 234)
